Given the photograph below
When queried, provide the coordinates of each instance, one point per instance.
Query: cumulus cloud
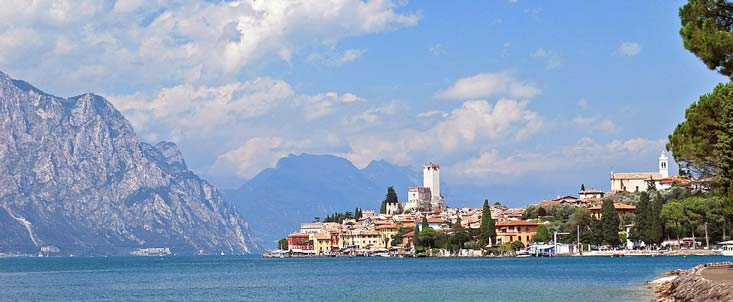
(434, 113)
(629, 49)
(475, 122)
(486, 85)
(254, 155)
(196, 111)
(87, 44)
(585, 153)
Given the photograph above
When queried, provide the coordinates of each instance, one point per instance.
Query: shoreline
(704, 282)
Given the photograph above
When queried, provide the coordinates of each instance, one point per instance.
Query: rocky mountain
(301, 187)
(74, 175)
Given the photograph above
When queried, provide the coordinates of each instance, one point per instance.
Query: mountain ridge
(300, 187)
(74, 175)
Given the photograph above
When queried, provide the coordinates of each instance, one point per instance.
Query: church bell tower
(663, 165)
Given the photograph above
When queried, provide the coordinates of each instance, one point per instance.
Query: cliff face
(73, 174)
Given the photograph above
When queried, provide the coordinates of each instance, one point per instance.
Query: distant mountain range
(75, 177)
(301, 187)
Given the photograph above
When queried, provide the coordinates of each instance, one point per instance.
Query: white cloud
(597, 123)
(144, 43)
(629, 49)
(486, 85)
(552, 59)
(323, 104)
(429, 114)
(196, 111)
(254, 155)
(475, 122)
(586, 153)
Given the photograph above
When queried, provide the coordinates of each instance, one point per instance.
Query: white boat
(726, 248)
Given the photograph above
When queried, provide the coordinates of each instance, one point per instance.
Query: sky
(536, 95)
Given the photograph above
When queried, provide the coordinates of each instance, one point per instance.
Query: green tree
(460, 235)
(642, 219)
(541, 212)
(706, 32)
(596, 231)
(487, 230)
(390, 198)
(542, 235)
(427, 234)
(283, 243)
(674, 212)
(610, 223)
(582, 187)
(580, 221)
(517, 245)
(655, 227)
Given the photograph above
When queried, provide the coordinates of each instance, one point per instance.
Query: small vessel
(726, 248)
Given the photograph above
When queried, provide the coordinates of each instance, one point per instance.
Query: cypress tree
(487, 230)
(391, 198)
(656, 225)
(642, 219)
(596, 231)
(610, 223)
(582, 187)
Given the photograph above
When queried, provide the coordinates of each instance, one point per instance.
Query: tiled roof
(516, 222)
(637, 175)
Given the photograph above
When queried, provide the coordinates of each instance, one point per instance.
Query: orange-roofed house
(515, 230)
(621, 209)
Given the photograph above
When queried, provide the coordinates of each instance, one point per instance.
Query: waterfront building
(322, 243)
(621, 209)
(299, 241)
(387, 232)
(639, 181)
(515, 230)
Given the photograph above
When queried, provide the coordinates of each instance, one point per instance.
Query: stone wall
(690, 286)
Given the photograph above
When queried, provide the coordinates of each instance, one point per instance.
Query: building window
(637, 188)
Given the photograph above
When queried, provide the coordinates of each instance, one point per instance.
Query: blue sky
(504, 94)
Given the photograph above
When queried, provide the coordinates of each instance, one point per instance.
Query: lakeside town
(424, 226)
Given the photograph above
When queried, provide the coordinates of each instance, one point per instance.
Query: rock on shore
(690, 286)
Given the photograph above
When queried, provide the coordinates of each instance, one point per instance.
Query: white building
(639, 181)
(427, 197)
(431, 179)
(418, 199)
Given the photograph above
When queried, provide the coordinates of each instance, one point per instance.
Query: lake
(249, 278)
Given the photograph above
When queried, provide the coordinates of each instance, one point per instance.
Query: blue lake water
(224, 278)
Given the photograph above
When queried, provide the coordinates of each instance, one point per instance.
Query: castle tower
(431, 178)
(664, 164)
